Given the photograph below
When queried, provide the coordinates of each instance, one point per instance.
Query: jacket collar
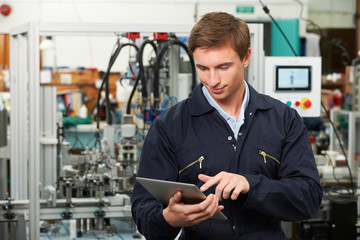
(199, 105)
(258, 100)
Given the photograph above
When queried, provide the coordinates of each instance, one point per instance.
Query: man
(250, 154)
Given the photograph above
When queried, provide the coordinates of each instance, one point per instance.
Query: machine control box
(296, 81)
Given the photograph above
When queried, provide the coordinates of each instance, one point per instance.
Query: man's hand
(179, 214)
(227, 184)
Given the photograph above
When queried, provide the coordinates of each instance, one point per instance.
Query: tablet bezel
(163, 190)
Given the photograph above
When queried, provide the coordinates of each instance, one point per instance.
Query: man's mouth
(217, 90)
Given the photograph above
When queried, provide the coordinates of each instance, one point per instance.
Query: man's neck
(232, 106)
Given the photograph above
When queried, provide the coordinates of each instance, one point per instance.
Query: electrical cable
(95, 235)
(333, 167)
(117, 234)
(166, 100)
(77, 140)
(167, 45)
(267, 11)
(106, 83)
(134, 109)
(141, 74)
(108, 118)
(66, 229)
(111, 62)
(49, 237)
(156, 72)
(128, 107)
(311, 23)
(345, 56)
(131, 70)
(334, 192)
(122, 78)
(141, 65)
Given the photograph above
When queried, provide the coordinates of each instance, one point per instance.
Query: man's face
(221, 71)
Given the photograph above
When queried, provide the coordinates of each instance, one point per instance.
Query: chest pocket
(197, 161)
(191, 164)
(267, 158)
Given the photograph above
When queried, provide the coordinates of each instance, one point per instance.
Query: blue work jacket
(272, 151)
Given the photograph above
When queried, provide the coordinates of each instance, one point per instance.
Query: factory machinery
(88, 189)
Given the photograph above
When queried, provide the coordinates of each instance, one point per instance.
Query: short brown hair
(216, 29)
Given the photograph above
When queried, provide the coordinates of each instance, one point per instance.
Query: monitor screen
(293, 78)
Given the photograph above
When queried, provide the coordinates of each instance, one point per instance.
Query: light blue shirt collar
(233, 123)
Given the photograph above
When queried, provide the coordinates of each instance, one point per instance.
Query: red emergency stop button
(305, 103)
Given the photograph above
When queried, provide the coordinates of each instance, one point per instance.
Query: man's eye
(202, 68)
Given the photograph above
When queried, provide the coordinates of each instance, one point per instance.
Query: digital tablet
(163, 190)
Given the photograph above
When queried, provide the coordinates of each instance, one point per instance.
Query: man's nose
(214, 78)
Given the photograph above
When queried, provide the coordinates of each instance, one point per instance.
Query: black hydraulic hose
(141, 74)
(108, 118)
(111, 62)
(141, 65)
(106, 81)
(128, 106)
(158, 62)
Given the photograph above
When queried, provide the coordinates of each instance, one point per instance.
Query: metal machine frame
(27, 140)
(353, 119)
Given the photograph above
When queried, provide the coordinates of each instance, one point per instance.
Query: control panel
(296, 81)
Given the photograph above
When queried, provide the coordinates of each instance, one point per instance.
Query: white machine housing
(296, 81)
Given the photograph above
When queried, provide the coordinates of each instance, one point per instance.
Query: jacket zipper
(234, 146)
(264, 154)
(199, 160)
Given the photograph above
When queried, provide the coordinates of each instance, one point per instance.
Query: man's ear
(246, 59)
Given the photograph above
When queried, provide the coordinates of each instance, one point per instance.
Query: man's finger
(212, 207)
(220, 208)
(219, 191)
(204, 204)
(210, 182)
(236, 192)
(176, 198)
(204, 177)
(228, 190)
